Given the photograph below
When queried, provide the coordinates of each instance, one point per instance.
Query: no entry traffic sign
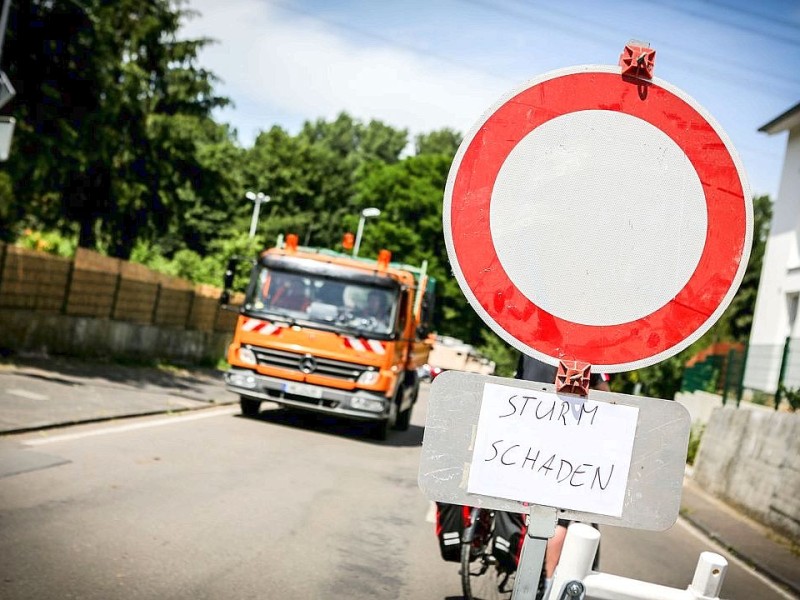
(587, 217)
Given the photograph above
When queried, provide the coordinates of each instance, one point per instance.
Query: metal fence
(774, 370)
(92, 285)
(763, 373)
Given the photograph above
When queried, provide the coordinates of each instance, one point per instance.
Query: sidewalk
(748, 540)
(40, 393)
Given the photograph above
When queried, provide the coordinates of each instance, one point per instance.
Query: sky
(424, 65)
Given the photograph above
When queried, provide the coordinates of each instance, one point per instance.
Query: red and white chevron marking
(262, 327)
(364, 345)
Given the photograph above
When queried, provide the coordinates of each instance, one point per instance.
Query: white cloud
(297, 68)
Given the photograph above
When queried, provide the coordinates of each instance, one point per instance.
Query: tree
(739, 315)
(306, 180)
(312, 177)
(443, 141)
(96, 82)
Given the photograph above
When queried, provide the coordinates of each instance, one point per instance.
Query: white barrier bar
(709, 575)
(578, 554)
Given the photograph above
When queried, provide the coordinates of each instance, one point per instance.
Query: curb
(89, 421)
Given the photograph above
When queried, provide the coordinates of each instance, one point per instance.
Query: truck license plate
(302, 389)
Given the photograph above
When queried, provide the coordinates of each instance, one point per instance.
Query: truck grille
(298, 362)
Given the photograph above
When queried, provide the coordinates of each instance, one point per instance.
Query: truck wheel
(381, 431)
(403, 420)
(249, 406)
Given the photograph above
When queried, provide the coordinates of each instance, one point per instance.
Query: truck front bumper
(358, 404)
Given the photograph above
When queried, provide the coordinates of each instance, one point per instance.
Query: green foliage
(444, 141)
(791, 395)
(102, 89)
(51, 242)
(496, 349)
(695, 437)
(762, 398)
(191, 265)
(185, 263)
(7, 207)
(662, 380)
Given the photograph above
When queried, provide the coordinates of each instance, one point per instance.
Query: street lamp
(365, 214)
(258, 199)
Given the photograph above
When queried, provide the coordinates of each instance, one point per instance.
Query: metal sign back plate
(656, 473)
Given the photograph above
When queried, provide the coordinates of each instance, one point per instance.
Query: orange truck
(322, 331)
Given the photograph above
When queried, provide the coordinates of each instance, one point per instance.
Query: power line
(689, 60)
(708, 58)
(752, 13)
(717, 20)
(691, 63)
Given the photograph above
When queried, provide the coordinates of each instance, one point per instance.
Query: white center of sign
(598, 217)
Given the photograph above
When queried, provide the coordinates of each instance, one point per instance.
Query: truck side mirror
(230, 271)
(228, 283)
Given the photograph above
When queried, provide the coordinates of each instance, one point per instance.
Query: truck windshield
(335, 303)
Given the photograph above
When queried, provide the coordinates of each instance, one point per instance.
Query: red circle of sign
(509, 307)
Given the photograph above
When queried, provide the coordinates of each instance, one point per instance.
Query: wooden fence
(93, 285)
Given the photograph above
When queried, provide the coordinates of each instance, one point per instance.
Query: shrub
(695, 435)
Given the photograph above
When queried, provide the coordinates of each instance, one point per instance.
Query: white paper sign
(552, 450)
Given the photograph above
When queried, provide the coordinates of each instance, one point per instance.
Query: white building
(775, 316)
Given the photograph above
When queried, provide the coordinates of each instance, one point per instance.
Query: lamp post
(365, 214)
(258, 199)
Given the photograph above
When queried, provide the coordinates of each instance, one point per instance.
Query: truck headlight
(369, 404)
(243, 380)
(369, 377)
(247, 356)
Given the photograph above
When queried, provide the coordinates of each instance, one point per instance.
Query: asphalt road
(207, 504)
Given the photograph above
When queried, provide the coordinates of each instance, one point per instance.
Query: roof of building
(788, 120)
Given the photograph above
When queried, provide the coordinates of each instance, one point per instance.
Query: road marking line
(181, 418)
(27, 394)
(716, 547)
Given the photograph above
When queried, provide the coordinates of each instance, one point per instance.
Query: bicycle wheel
(481, 579)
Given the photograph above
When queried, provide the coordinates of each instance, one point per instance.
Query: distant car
(428, 373)
(424, 372)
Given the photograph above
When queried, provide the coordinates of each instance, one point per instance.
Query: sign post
(594, 215)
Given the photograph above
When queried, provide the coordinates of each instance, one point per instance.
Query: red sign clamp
(573, 377)
(638, 59)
